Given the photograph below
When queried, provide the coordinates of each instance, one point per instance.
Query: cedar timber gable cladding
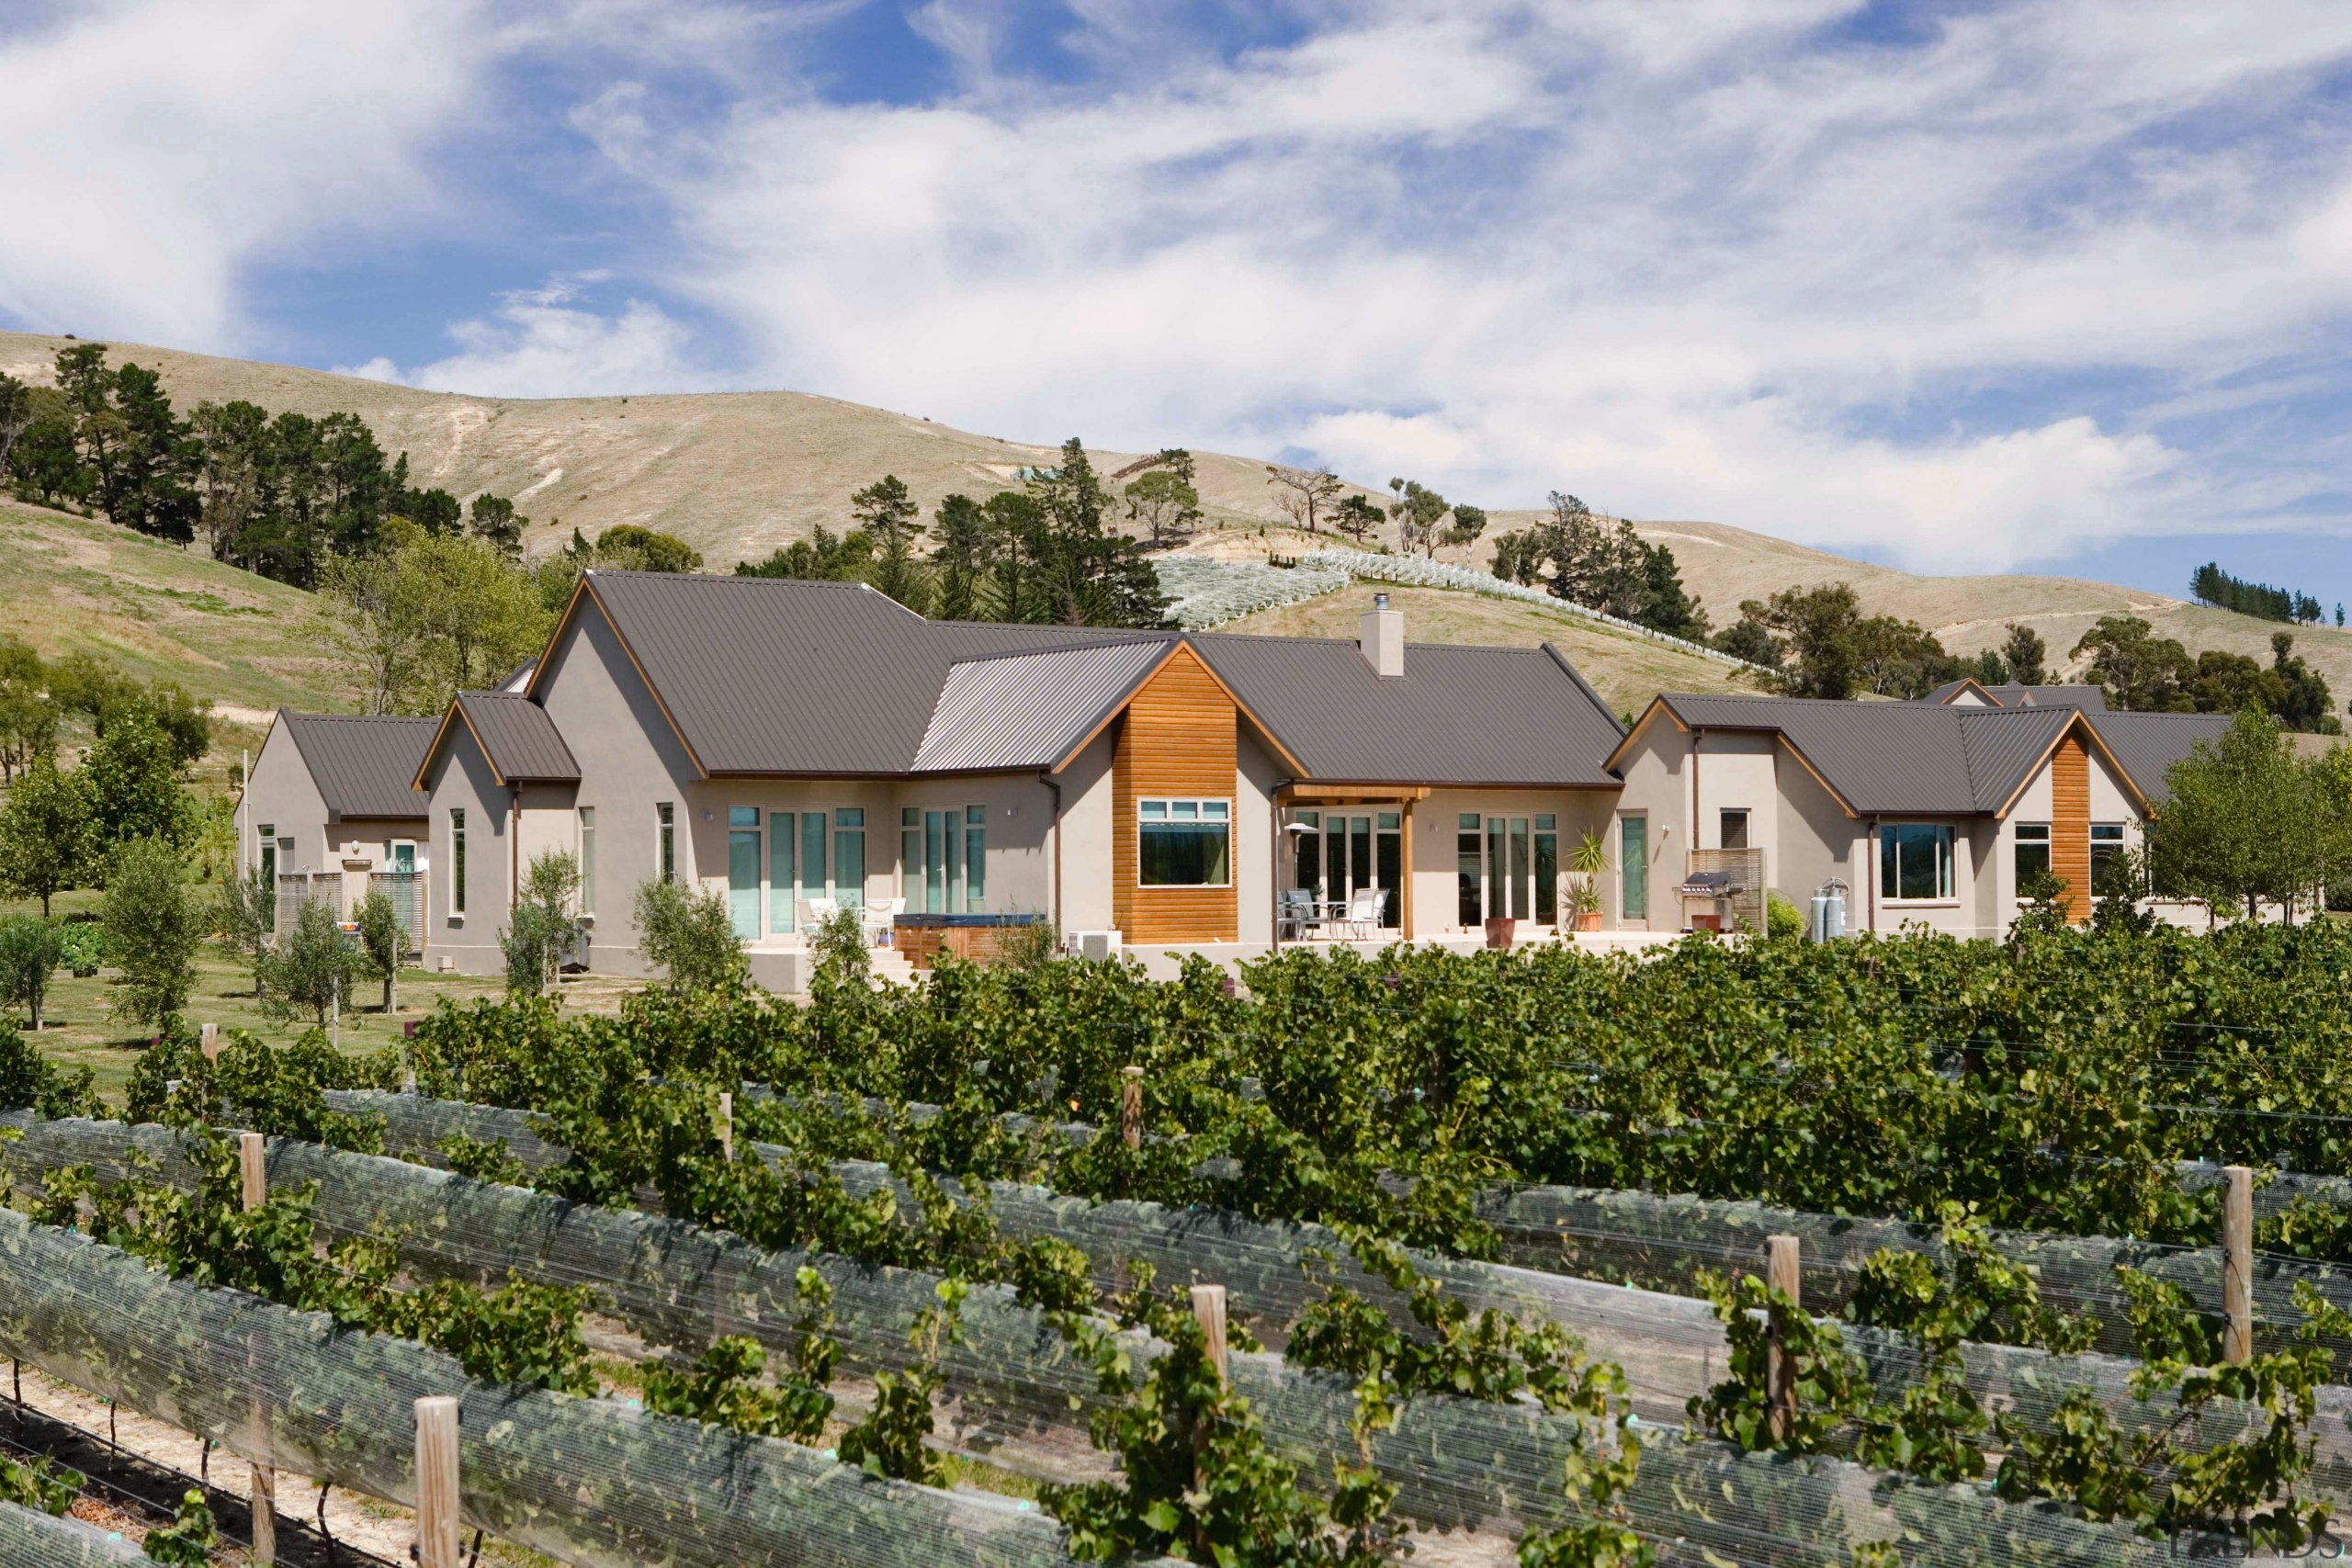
(1179, 736)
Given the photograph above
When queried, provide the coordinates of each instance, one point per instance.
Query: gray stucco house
(332, 810)
(803, 746)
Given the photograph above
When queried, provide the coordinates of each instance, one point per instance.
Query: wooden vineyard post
(1780, 1271)
(1131, 1125)
(255, 1175)
(210, 1038)
(2237, 1264)
(1208, 1311)
(726, 1125)
(436, 1482)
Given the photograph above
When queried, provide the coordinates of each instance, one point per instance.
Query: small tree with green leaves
(244, 914)
(690, 937)
(29, 950)
(384, 940)
(312, 967)
(45, 833)
(155, 923)
(545, 924)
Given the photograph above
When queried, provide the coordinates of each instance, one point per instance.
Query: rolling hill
(737, 474)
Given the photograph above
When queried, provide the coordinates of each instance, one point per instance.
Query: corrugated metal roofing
(1028, 710)
(765, 675)
(520, 739)
(363, 764)
(2010, 695)
(1884, 758)
(2148, 744)
(1494, 715)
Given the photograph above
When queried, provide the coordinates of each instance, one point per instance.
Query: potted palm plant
(1589, 862)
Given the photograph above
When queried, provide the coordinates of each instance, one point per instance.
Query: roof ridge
(1139, 639)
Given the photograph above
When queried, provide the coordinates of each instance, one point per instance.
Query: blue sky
(2063, 286)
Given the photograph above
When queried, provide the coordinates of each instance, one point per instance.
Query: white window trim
(1952, 900)
(1225, 801)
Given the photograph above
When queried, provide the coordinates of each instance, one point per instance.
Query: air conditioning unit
(1096, 946)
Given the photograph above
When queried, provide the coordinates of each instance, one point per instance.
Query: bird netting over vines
(31, 1539)
(1459, 1463)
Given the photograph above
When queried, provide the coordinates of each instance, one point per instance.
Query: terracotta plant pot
(1498, 933)
(1588, 920)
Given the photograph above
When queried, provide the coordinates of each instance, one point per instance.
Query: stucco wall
(460, 779)
(629, 759)
(1086, 839)
(1655, 787)
(282, 797)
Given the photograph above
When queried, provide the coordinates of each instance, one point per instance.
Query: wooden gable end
(1178, 738)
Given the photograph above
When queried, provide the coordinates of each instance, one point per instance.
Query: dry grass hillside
(737, 474)
(74, 584)
(1626, 670)
(1723, 565)
(733, 474)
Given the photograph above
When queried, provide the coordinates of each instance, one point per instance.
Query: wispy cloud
(1969, 285)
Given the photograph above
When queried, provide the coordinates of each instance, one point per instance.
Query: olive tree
(29, 948)
(691, 936)
(312, 967)
(155, 923)
(545, 925)
(244, 914)
(383, 939)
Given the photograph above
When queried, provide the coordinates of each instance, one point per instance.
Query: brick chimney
(1380, 637)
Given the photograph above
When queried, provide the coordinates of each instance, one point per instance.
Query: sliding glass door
(1509, 866)
(1339, 854)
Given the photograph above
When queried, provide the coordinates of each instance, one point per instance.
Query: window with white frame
(2107, 855)
(2032, 854)
(587, 859)
(1184, 843)
(943, 859)
(1914, 861)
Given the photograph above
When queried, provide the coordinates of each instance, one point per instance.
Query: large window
(1914, 861)
(587, 859)
(943, 855)
(783, 877)
(1339, 854)
(269, 872)
(1469, 868)
(456, 861)
(1184, 843)
(1634, 867)
(2107, 851)
(849, 856)
(2033, 853)
(743, 870)
(1509, 866)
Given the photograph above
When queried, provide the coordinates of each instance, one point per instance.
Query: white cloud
(1684, 259)
(156, 146)
(543, 343)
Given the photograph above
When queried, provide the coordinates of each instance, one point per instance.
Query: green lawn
(78, 1029)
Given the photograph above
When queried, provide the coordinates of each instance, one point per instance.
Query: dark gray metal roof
(1483, 715)
(519, 739)
(1029, 710)
(1885, 758)
(766, 675)
(363, 764)
(2010, 695)
(2148, 744)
